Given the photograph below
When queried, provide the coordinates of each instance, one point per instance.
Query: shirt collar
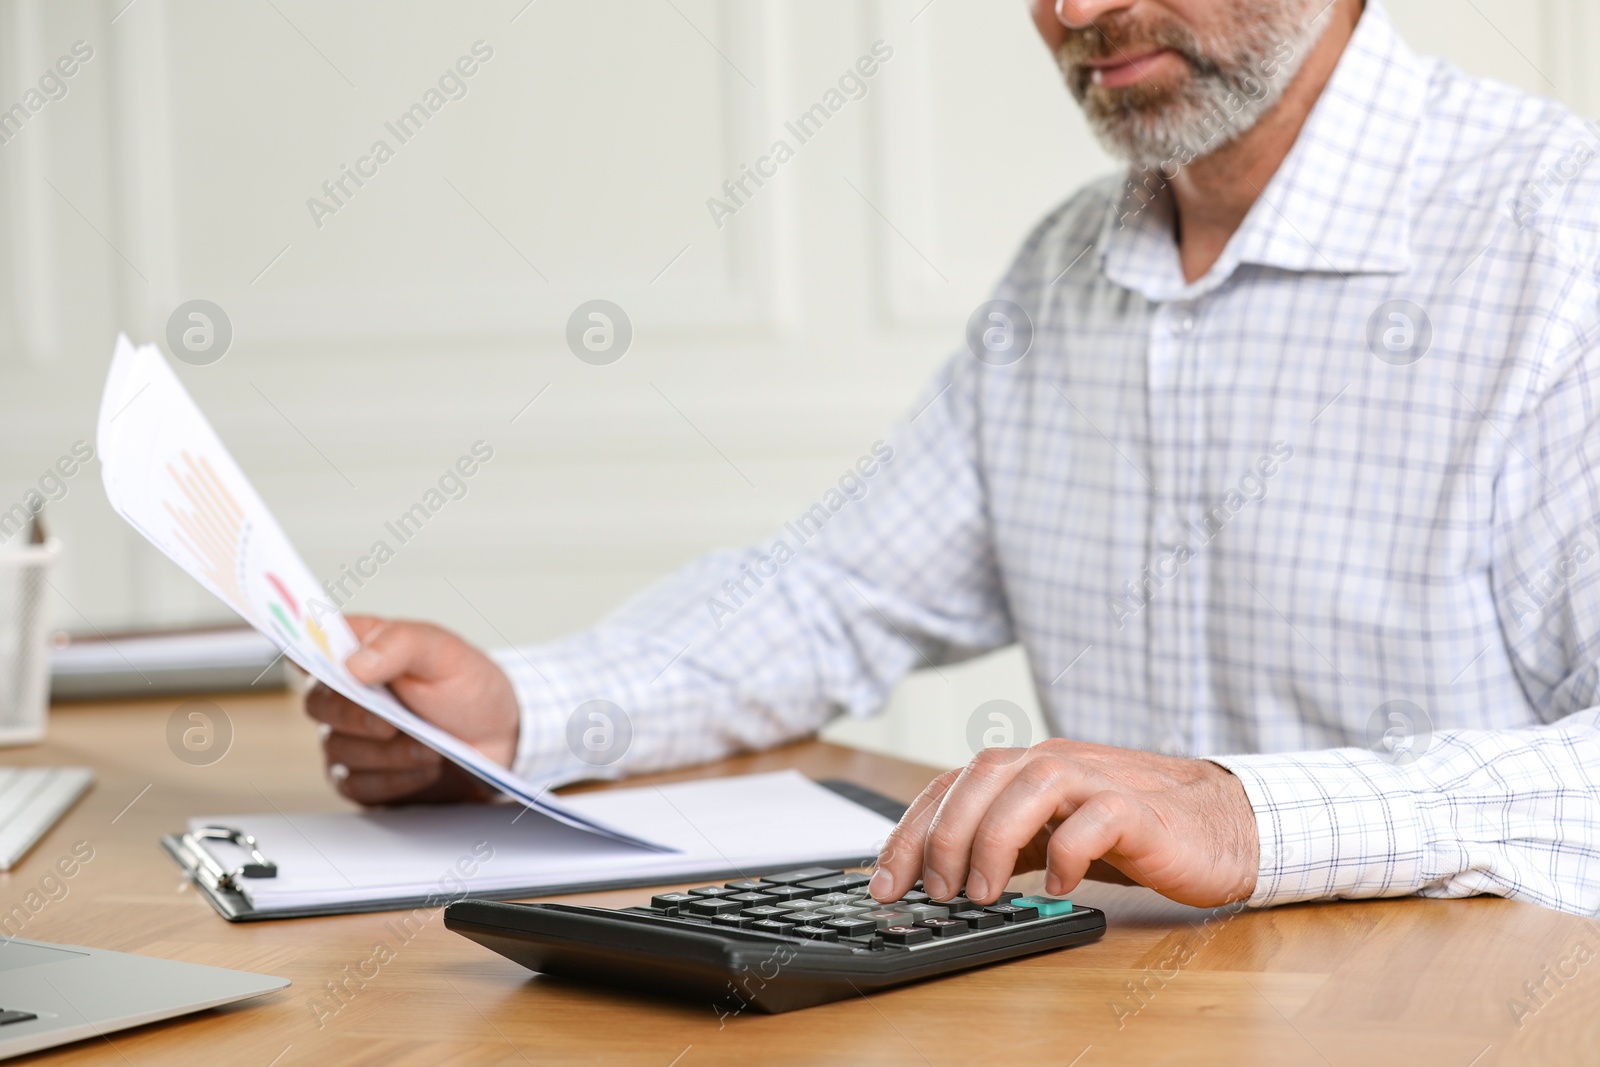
(1339, 203)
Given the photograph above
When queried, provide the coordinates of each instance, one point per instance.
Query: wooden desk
(1402, 981)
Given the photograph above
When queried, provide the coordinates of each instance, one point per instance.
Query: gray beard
(1222, 99)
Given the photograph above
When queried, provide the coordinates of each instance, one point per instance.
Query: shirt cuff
(1332, 824)
(547, 695)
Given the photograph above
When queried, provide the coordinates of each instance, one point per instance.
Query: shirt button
(1182, 321)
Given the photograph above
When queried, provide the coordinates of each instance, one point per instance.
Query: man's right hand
(444, 680)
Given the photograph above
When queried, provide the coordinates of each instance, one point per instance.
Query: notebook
(427, 856)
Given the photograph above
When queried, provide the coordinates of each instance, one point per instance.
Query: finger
(1105, 822)
(363, 625)
(381, 787)
(366, 754)
(344, 715)
(1039, 792)
(901, 859)
(392, 649)
(947, 855)
(1101, 871)
(1033, 854)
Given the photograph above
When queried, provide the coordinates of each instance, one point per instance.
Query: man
(1300, 464)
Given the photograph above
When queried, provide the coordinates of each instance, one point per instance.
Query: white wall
(370, 352)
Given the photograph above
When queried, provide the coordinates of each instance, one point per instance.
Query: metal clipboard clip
(212, 872)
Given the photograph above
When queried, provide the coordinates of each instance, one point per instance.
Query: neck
(1213, 194)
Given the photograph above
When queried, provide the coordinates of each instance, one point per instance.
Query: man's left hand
(1183, 827)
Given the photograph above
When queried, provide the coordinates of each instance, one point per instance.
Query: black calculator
(775, 943)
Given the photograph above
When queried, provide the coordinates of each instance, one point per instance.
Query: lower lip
(1125, 74)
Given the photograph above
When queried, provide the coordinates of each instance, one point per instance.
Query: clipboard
(225, 885)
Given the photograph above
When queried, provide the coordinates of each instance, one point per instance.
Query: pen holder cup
(24, 641)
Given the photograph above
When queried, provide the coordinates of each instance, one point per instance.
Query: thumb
(395, 649)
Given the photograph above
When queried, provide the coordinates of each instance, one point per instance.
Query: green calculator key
(1048, 906)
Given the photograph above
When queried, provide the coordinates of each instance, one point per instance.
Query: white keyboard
(31, 800)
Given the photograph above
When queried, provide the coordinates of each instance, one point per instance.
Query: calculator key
(765, 911)
(945, 927)
(905, 935)
(837, 881)
(712, 891)
(815, 933)
(772, 926)
(750, 900)
(979, 920)
(1047, 906)
(843, 910)
(804, 874)
(854, 926)
(784, 893)
(1013, 913)
(930, 911)
(890, 916)
(916, 896)
(709, 906)
(748, 885)
(955, 903)
(737, 922)
(836, 898)
(807, 918)
(1007, 896)
(671, 900)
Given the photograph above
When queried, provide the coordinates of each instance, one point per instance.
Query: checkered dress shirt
(1334, 507)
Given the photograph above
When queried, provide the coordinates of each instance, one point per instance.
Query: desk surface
(1399, 981)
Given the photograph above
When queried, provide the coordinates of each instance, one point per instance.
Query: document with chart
(168, 473)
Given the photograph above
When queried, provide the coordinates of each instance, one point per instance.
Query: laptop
(53, 994)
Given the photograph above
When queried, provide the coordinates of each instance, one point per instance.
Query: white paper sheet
(168, 473)
(757, 822)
